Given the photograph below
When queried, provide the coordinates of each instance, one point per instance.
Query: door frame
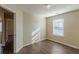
(6, 8)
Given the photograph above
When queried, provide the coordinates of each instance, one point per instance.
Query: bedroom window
(58, 27)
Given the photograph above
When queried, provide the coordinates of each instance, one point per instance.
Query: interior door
(9, 32)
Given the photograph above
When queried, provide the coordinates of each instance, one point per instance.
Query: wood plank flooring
(48, 47)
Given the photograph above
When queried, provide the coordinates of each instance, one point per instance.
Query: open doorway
(7, 32)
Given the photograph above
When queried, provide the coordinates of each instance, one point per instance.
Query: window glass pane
(58, 27)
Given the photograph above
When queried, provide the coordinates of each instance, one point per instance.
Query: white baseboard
(33, 43)
(27, 44)
(18, 49)
(65, 44)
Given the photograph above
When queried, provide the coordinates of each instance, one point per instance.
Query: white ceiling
(41, 10)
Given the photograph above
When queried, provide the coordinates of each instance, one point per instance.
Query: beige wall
(30, 24)
(71, 28)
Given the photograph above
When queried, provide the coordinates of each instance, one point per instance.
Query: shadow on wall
(36, 35)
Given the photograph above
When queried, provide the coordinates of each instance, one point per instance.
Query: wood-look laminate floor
(48, 47)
